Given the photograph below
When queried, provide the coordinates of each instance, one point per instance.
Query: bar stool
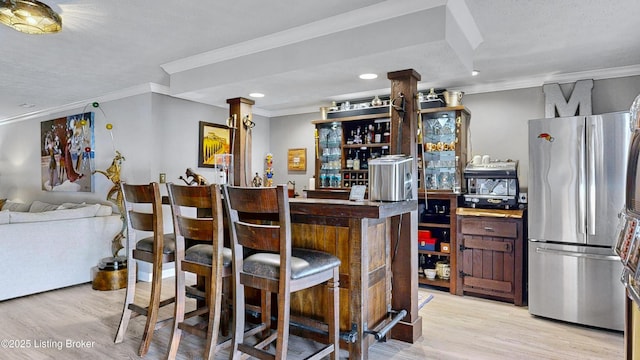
(143, 213)
(260, 224)
(206, 258)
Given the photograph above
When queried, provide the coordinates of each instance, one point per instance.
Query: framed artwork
(297, 159)
(214, 139)
(67, 153)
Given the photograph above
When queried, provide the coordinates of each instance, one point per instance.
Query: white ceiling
(305, 54)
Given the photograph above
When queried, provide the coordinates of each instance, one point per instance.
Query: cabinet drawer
(498, 228)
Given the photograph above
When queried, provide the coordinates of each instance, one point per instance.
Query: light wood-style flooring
(80, 323)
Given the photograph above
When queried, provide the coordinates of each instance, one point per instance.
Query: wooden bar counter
(360, 234)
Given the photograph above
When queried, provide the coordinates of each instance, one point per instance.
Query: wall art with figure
(67, 153)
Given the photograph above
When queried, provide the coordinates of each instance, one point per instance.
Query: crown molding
(116, 95)
(538, 81)
(350, 20)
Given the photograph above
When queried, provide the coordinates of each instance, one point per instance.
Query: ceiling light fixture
(368, 76)
(29, 16)
(256, 95)
(475, 73)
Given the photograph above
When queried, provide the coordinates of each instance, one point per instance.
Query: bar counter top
(350, 209)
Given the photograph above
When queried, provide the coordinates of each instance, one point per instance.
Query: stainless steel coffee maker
(492, 184)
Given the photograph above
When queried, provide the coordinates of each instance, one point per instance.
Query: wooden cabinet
(345, 144)
(491, 254)
(438, 216)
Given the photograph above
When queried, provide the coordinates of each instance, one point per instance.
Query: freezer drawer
(577, 284)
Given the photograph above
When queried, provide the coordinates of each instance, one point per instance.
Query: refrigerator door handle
(578, 254)
(591, 180)
(582, 216)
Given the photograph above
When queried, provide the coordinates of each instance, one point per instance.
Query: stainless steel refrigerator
(577, 168)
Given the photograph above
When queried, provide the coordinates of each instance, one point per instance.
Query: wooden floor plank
(80, 323)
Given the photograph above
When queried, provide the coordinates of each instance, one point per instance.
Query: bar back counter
(363, 235)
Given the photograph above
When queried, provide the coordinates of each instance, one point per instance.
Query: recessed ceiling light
(368, 76)
(475, 73)
(27, 105)
(256, 95)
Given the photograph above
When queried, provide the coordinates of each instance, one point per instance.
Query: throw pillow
(16, 206)
(39, 206)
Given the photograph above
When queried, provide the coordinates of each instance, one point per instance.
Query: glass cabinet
(443, 148)
(346, 141)
(329, 141)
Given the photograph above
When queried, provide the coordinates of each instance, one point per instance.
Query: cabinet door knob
(488, 228)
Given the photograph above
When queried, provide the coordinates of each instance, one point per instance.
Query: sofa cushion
(4, 217)
(39, 206)
(71, 206)
(83, 212)
(104, 210)
(16, 206)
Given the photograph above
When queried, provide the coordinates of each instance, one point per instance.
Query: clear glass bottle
(356, 161)
(457, 179)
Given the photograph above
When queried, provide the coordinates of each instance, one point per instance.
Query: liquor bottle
(367, 135)
(457, 179)
(363, 161)
(351, 137)
(356, 161)
(349, 160)
(386, 135)
(377, 138)
(357, 138)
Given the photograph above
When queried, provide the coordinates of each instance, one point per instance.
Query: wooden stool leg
(130, 295)
(153, 308)
(213, 325)
(226, 303)
(333, 313)
(265, 312)
(284, 308)
(178, 316)
(238, 321)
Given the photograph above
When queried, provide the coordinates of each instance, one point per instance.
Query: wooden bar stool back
(207, 258)
(260, 225)
(143, 214)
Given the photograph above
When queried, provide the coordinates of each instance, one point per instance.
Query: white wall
(499, 123)
(155, 133)
(293, 132)
(158, 133)
(499, 120)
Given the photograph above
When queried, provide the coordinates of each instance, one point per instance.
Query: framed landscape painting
(214, 139)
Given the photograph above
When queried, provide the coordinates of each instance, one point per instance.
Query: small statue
(196, 179)
(115, 195)
(113, 173)
(257, 181)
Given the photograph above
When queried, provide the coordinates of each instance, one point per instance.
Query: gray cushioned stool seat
(169, 244)
(304, 263)
(203, 253)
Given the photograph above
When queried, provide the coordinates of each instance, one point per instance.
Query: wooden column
(241, 109)
(405, 260)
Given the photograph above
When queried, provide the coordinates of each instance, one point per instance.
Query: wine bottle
(386, 135)
(377, 138)
(356, 161)
(349, 160)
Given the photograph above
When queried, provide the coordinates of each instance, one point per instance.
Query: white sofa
(52, 246)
